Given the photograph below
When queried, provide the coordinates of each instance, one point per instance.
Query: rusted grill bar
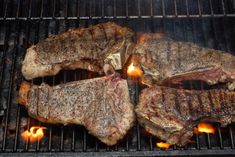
(39, 19)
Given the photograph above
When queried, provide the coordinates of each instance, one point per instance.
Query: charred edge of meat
(143, 37)
(23, 93)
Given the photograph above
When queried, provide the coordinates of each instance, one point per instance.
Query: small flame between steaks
(164, 145)
(134, 71)
(204, 128)
(34, 134)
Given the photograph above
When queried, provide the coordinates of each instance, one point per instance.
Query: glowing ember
(163, 145)
(204, 127)
(133, 71)
(34, 134)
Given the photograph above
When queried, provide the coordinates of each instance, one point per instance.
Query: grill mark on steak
(175, 61)
(212, 103)
(184, 105)
(170, 102)
(204, 96)
(168, 52)
(177, 103)
(188, 95)
(102, 105)
(178, 64)
(84, 48)
(103, 29)
(215, 98)
(178, 128)
(200, 104)
(163, 97)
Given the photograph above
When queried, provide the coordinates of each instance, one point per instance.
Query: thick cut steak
(102, 105)
(167, 61)
(171, 114)
(86, 48)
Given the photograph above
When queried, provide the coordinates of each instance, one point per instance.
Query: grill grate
(208, 23)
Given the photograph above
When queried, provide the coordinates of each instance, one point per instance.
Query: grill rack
(130, 9)
(20, 30)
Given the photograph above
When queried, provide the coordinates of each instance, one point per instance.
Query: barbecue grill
(209, 23)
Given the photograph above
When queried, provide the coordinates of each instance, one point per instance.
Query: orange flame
(133, 71)
(204, 128)
(163, 145)
(34, 134)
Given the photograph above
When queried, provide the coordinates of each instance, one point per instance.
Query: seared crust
(23, 93)
(167, 61)
(85, 48)
(93, 103)
(171, 114)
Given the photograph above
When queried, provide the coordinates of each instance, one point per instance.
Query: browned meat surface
(102, 105)
(171, 114)
(86, 48)
(166, 61)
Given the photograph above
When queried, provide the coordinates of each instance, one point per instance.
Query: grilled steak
(102, 105)
(86, 48)
(166, 61)
(171, 114)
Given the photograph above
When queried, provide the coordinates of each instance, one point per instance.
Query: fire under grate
(209, 23)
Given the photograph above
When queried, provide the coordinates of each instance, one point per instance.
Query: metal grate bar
(84, 140)
(54, 9)
(137, 125)
(151, 8)
(139, 12)
(231, 137)
(120, 17)
(7, 33)
(127, 13)
(18, 9)
(9, 99)
(163, 9)
(223, 7)
(30, 7)
(77, 10)
(17, 128)
(38, 142)
(5, 10)
(41, 10)
(50, 135)
(199, 8)
(25, 47)
(187, 9)
(211, 8)
(208, 141)
(102, 9)
(115, 8)
(27, 142)
(175, 7)
(6, 38)
(220, 138)
(18, 107)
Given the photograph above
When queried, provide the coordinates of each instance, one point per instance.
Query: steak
(165, 61)
(93, 103)
(171, 114)
(86, 48)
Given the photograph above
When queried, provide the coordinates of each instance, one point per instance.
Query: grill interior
(209, 23)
